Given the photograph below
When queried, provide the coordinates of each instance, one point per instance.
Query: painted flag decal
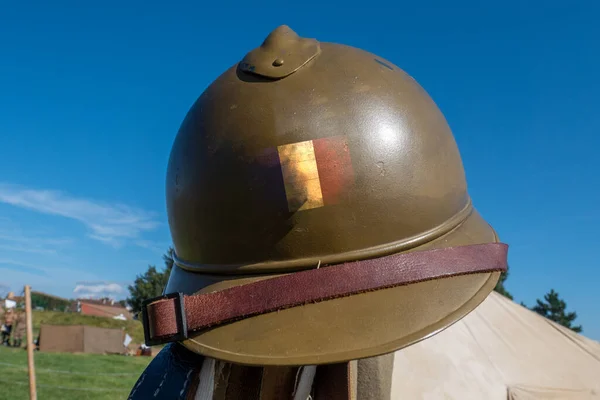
(315, 173)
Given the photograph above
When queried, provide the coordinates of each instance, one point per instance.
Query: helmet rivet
(278, 62)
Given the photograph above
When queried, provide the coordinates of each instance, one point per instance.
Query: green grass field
(69, 376)
(72, 376)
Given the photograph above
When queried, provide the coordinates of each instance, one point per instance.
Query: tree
(554, 308)
(150, 284)
(168, 260)
(500, 285)
(49, 302)
(4, 289)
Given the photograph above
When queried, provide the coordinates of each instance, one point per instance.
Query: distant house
(101, 308)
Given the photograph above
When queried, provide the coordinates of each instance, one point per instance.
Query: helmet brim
(348, 328)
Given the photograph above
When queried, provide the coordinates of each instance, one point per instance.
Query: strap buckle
(182, 329)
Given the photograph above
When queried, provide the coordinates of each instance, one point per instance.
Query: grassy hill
(69, 376)
(133, 328)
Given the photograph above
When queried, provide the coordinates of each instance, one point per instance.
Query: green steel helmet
(307, 156)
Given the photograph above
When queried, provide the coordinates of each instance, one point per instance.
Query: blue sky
(92, 95)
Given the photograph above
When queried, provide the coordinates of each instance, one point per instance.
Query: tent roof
(501, 347)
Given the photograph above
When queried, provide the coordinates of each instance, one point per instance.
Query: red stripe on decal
(335, 168)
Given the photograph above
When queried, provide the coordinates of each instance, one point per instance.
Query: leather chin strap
(334, 381)
(178, 373)
(238, 382)
(173, 317)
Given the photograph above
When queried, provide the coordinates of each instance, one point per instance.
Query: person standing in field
(2, 327)
(20, 328)
(9, 318)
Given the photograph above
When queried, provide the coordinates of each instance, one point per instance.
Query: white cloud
(152, 245)
(110, 224)
(56, 280)
(25, 266)
(27, 249)
(14, 237)
(99, 289)
(14, 241)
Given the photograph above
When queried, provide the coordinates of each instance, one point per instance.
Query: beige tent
(500, 351)
(81, 339)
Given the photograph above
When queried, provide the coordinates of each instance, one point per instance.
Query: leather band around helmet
(174, 316)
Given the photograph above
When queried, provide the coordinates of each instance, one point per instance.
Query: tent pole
(30, 363)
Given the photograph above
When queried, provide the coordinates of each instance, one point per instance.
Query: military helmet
(304, 156)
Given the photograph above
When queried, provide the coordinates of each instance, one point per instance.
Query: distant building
(17, 299)
(101, 308)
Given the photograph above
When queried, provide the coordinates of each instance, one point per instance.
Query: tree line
(153, 281)
(552, 306)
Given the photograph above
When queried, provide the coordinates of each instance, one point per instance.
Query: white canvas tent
(500, 351)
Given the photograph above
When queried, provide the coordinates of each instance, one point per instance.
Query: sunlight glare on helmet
(388, 134)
